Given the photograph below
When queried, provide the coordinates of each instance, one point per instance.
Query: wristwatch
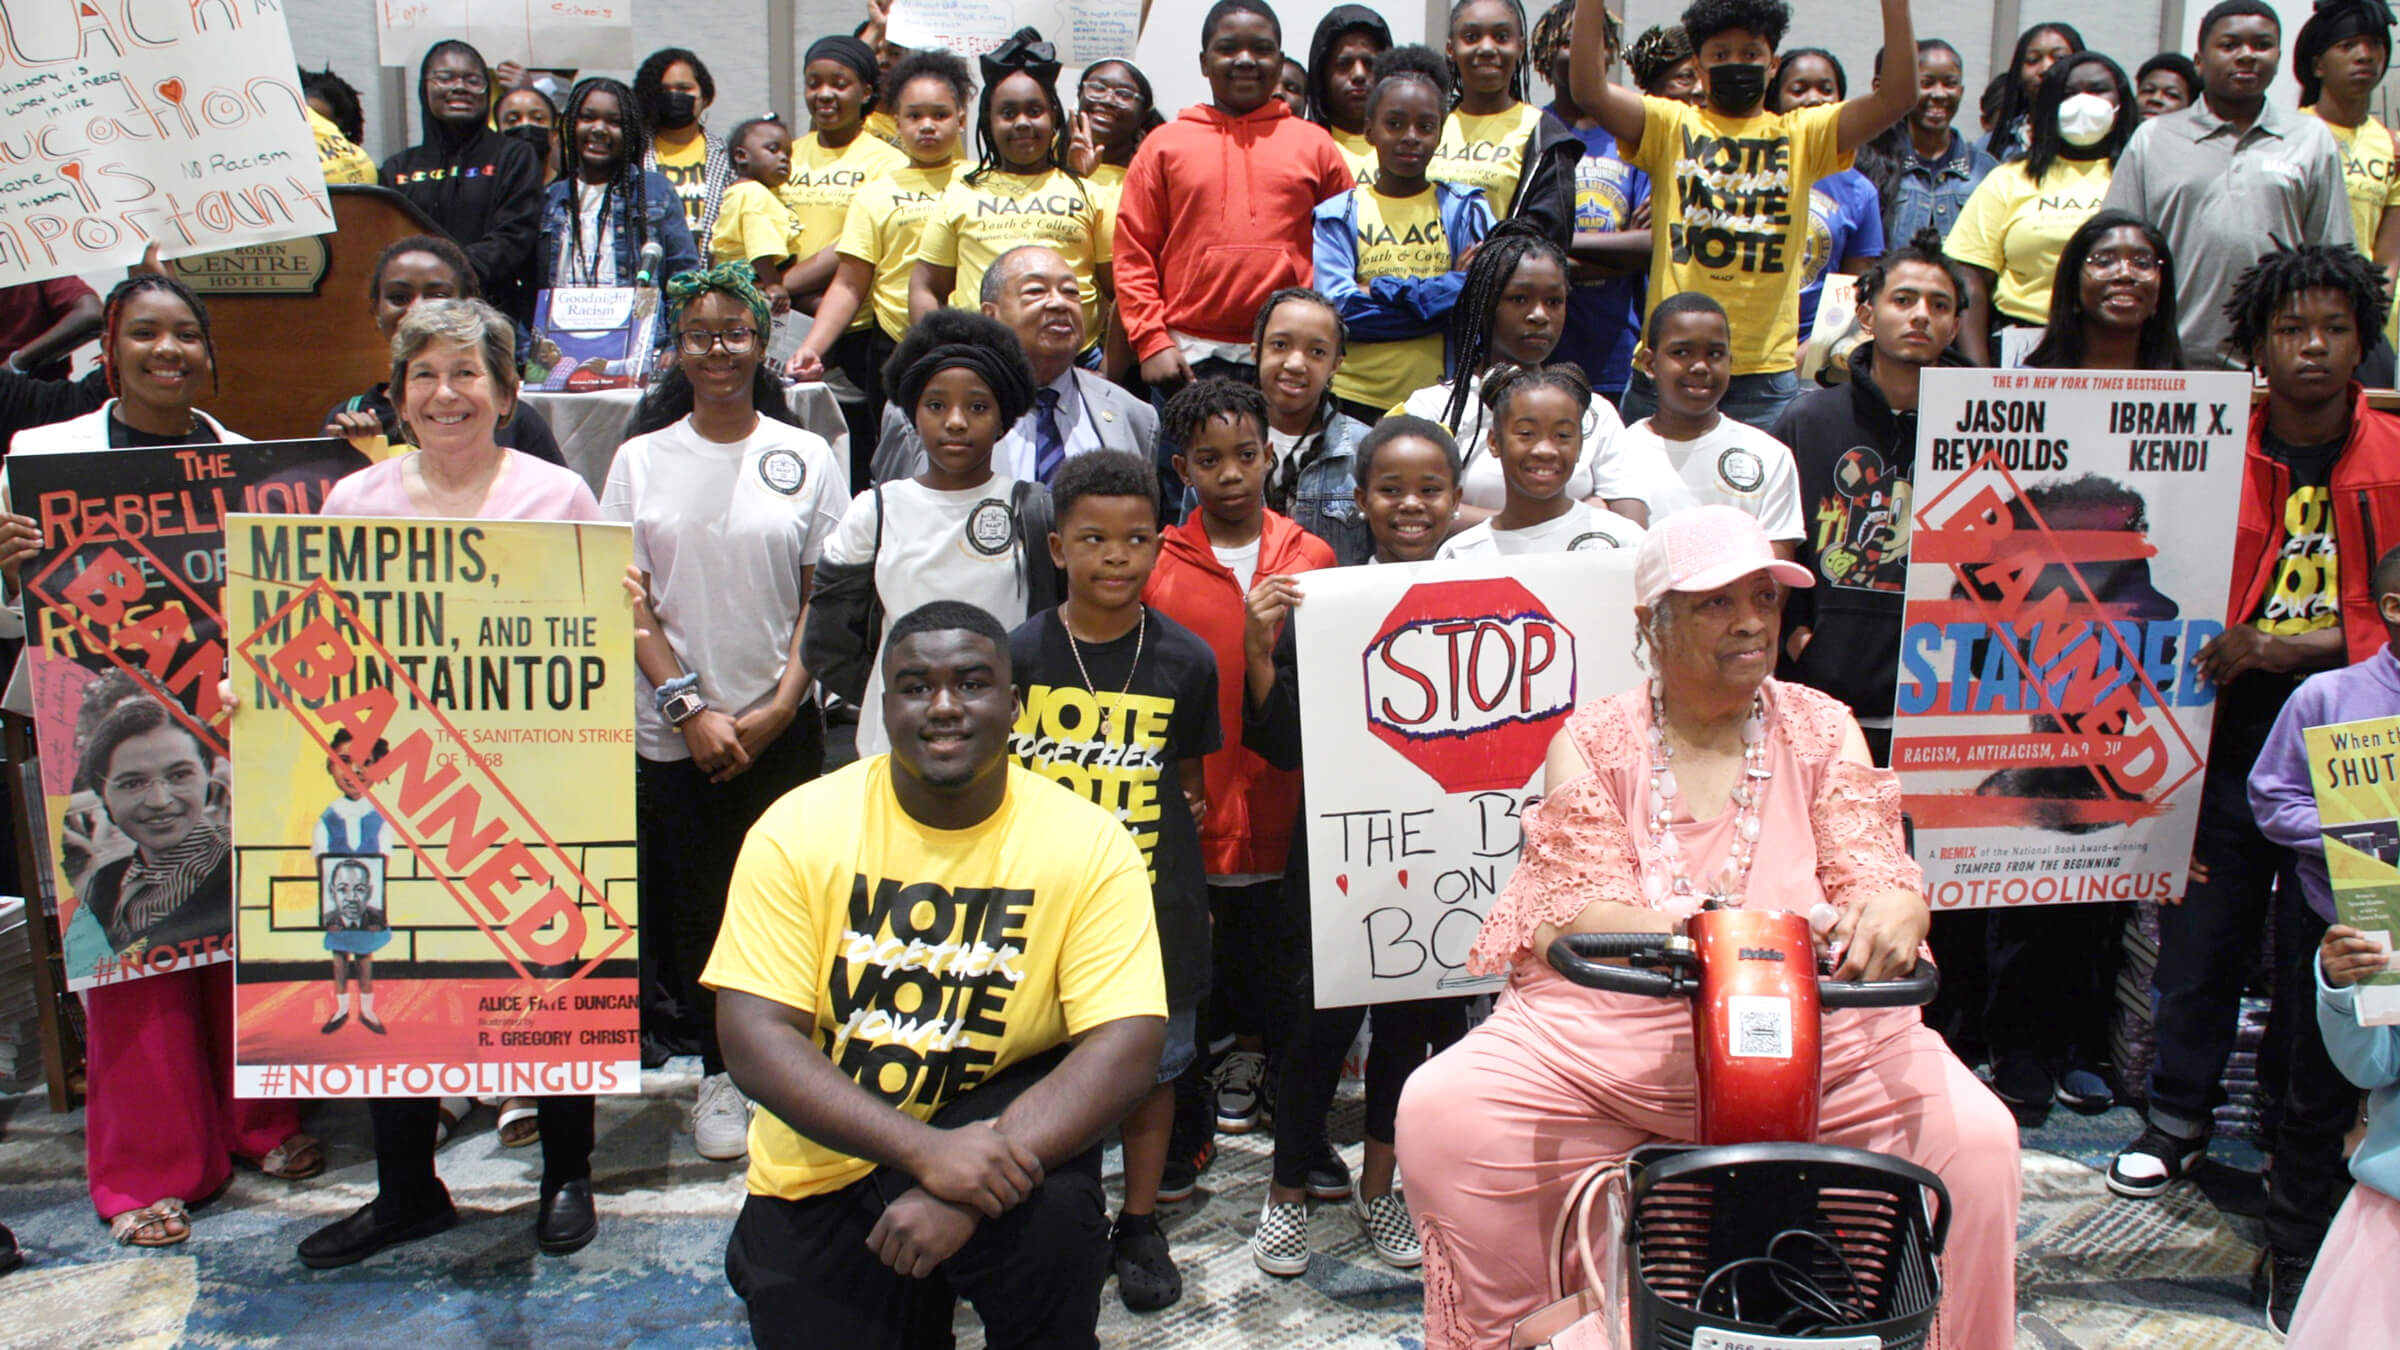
(679, 700)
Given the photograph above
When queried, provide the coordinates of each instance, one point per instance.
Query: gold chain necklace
(1140, 633)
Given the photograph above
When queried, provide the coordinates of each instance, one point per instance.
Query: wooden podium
(294, 333)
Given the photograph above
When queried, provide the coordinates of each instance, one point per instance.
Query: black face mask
(675, 109)
(1735, 87)
(535, 135)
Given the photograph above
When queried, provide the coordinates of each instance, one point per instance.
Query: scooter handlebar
(1913, 990)
(1581, 957)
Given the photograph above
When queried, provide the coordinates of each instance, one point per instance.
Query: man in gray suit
(1033, 291)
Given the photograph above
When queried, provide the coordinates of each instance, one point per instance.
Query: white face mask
(2085, 119)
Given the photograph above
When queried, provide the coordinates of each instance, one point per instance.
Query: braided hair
(2274, 280)
(1044, 74)
(1478, 309)
(1659, 49)
(1508, 380)
(627, 183)
(113, 318)
(1557, 24)
(1516, 78)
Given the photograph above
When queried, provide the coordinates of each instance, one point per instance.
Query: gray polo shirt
(2225, 200)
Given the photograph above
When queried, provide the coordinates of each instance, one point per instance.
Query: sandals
(161, 1224)
(447, 1115)
(520, 1123)
(295, 1159)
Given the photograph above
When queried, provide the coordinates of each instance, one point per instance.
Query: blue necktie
(1049, 447)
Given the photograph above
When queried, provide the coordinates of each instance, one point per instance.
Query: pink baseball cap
(1706, 547)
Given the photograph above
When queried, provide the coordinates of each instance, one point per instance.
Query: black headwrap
(2336, 21)
(949, 339)
(850, 52)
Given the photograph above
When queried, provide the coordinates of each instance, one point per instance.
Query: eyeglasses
(1101, 91)
(454, 79)
(736, 341)
(2141, 264)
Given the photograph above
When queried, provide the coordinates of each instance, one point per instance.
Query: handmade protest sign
(148, 120)
(2051, 729)
(433, 808)
(124, 647)
(1429, 694)
(1083, 31)
(2355, 768)
(544, 34)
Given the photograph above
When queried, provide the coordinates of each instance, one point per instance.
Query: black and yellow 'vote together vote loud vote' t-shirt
(930, 959)
(2307, 594)
(1160, 713)
(1730, 198)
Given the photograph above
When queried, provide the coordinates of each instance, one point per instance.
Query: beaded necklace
(1749, 792)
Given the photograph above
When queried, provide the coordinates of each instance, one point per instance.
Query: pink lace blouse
(1829, 828)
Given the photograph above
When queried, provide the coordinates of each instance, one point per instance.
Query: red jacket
(2366, 521)
(1214, 217)
(1251, 803)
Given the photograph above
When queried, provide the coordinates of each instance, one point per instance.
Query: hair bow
(1024, 51)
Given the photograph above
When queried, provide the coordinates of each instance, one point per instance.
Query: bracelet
(671, 688)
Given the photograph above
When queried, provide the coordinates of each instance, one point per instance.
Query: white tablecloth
(590, 426)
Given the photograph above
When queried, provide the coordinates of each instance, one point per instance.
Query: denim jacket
(1324, 500)
(663, 221)
(1933, 197)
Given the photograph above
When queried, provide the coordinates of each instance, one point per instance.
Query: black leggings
(1403, 1037)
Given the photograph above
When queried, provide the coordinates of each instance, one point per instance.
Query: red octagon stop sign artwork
(1469, 680)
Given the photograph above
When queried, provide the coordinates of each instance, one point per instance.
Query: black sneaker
(1329, 1178)
(2024, 1086)
(1146, 1276)
(2276, 1283)
(1185, 1163)
(2146, 1167)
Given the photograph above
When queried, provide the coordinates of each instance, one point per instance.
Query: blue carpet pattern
(2094, 1272)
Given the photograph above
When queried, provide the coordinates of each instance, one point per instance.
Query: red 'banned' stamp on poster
(439, 794)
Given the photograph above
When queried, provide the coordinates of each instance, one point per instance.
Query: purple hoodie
(2281, 795)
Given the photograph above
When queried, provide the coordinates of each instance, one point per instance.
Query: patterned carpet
(2094, 1273)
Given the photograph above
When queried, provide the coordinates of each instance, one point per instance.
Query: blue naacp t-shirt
(1845, 220)
(1604, 322)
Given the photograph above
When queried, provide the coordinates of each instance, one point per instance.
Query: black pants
(1241, 958)
(2051, 979)
(691, 832)
(1033, 1275)
(2207, 948)
(405, 1181)
(859, 354)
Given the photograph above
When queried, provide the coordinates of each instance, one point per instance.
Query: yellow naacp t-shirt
(686, 167)
(1729, 199)
(882, 228)
(756, 222)
(2015, 229)
(1486, 152)
(825, 178)
(883, 127)
(974, 223)
(1360, 156)
(1107, 182)
(1395, 237)
(931, 959)
(338, 157)
(2370, 174)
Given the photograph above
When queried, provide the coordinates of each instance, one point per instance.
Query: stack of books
(20, 1015)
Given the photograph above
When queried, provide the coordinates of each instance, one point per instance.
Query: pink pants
(160, 1116)
(1493, 1129)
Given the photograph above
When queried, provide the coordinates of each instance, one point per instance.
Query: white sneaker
(1390, 1229)
(720, 1119)
(1280, 1244)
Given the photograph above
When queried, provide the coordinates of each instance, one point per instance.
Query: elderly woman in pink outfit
(1713, 781)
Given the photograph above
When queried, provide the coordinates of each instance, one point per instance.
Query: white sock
(366, 1004)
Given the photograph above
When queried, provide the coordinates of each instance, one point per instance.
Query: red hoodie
(2366, 520)
(1215, 217)
(1251, 803)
